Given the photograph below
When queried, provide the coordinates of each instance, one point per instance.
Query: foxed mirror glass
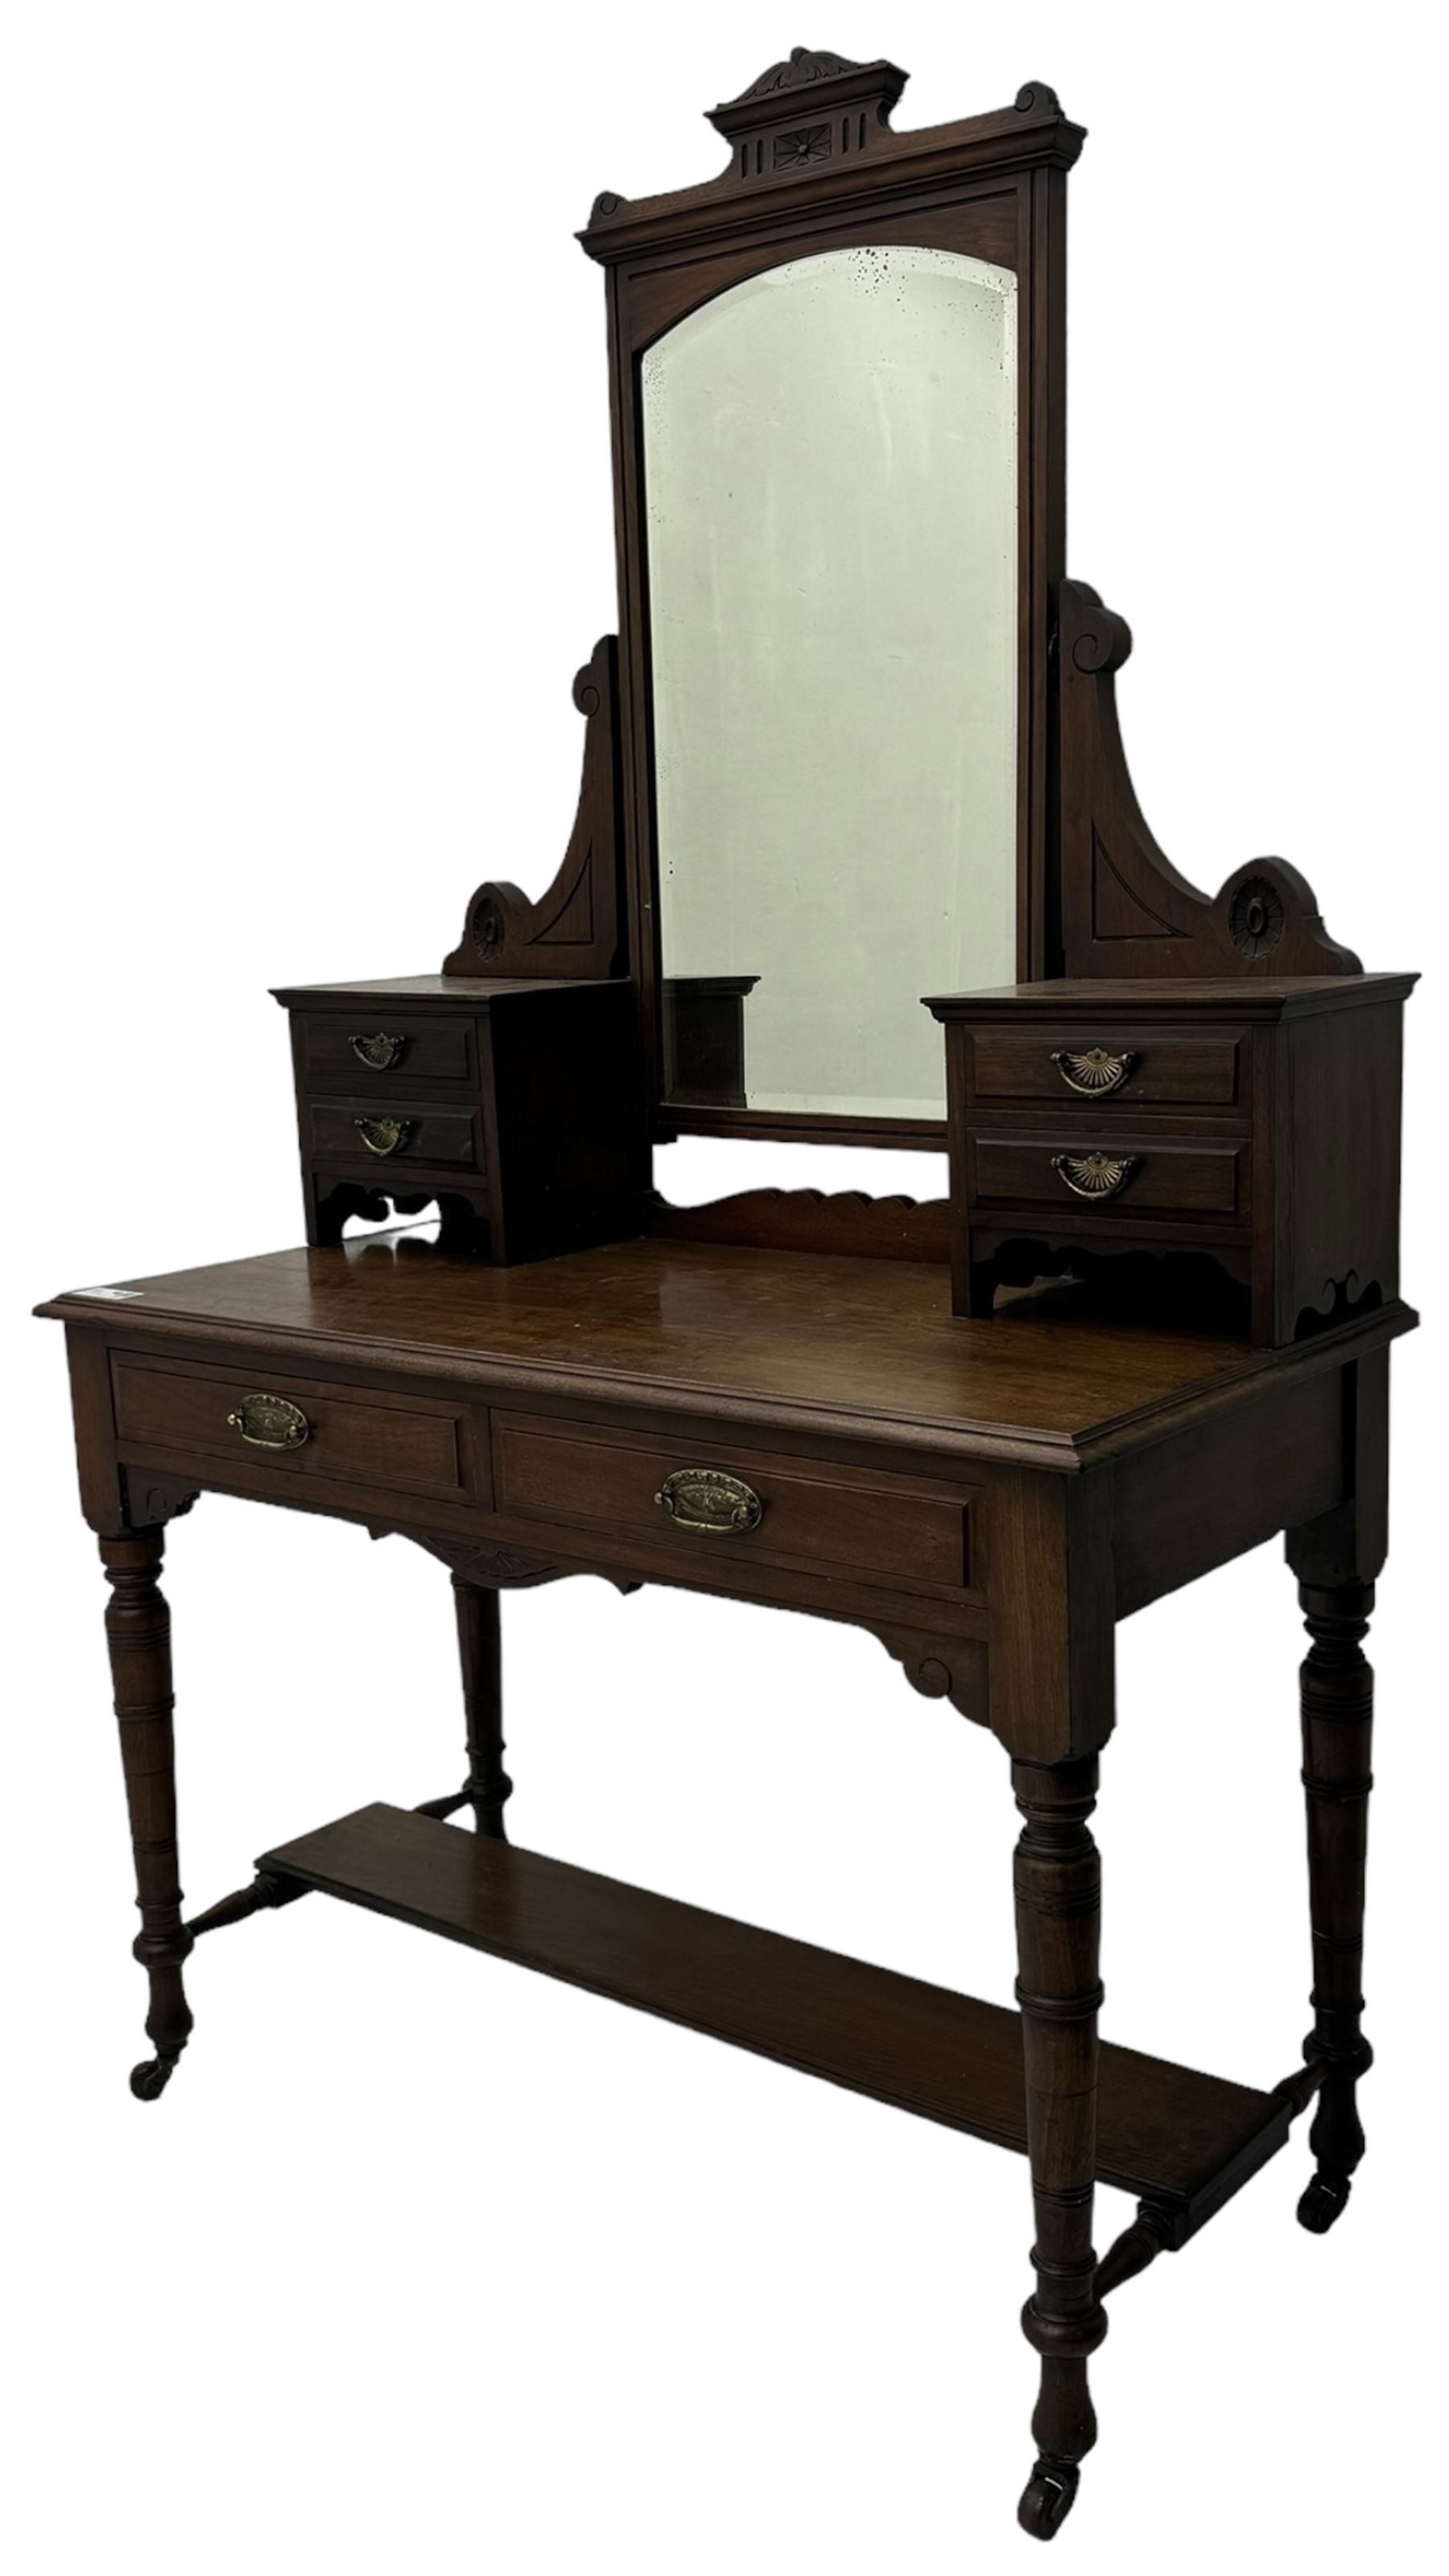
(830, 471)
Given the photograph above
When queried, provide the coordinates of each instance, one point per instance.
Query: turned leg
(138, 1631)
(1338, 1688)
(1058, 1912)
(487, 1786)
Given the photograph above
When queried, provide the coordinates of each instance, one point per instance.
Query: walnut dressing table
(1148, 1329)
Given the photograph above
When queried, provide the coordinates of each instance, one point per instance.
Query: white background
(423, 2262)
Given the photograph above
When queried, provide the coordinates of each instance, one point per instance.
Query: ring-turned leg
(138, 1631)
(1338, 1688)
(487, 1786)
(1058, 1914)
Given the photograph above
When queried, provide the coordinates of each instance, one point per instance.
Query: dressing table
(855, 745)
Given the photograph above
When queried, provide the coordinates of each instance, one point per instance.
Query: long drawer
(777, 1508)
(296, 1430)
(1113, 1176)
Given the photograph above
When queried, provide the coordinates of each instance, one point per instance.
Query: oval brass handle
(1095, 1176)
(270, 1422)
(1094, 1072)
(384, 1135)
(379, 1053)
(707, 1500)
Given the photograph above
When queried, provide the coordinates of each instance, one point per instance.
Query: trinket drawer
(1249, 1124)
(507, 1103)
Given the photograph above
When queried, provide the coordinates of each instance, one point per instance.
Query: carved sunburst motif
(794, 151)
(1255, 917)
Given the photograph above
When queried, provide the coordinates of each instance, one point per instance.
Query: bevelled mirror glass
(830, 471)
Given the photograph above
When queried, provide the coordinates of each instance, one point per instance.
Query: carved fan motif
(1094, 1070)
(1255, 917)
(379, 1053)
(1094, 1176)
(810, 143)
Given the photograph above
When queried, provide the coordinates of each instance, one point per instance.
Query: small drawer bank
(507, 1103)
(1253, 1126)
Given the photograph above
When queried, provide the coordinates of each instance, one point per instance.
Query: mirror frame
(815, 166)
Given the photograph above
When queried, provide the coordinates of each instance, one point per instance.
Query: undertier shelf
(1182, 2140)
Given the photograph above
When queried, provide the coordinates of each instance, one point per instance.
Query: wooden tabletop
(804, 1341)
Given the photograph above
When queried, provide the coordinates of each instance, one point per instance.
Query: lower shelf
(1181, 2140)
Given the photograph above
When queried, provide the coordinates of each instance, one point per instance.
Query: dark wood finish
(436, 1047)
(415, 1445)
(784, 1371)
(138, 1633)
(1125, 909)
(1176, 1175)
(847, 1221)
(1257, 1123)
(1058, 1918)
(487, 1787)
(1338, 1706)
(978, 1494)
(866, 1353)
(814, 167)
(1196, 1071)
(1164, 2131)
(1186, 1505)
(855, 1519)
(436, 1139)
(576, 928)
(538, 1150)
(703, 1036)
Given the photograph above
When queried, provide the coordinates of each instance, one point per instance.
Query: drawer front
(299, 1429)
(1108, 1067)
(372, 1047)
(1112, 1176)
(393, 1134)
(744, 1502)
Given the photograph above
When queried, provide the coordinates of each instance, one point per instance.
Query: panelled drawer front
(444, 1139)
(373, 1045)
(1164, 1176)
(1087, 1064)
(381, 1440)
(810, 1512)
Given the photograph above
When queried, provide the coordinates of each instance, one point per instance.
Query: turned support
(1337, 1699)
(1058, 1914)
(138, 1632)
(487, 1787)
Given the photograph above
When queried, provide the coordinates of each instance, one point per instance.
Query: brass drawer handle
(384, 1135)
(1095, 1176)
(379, 1053)
(706, 1499)
(270, 1422)
(1093, 1073)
